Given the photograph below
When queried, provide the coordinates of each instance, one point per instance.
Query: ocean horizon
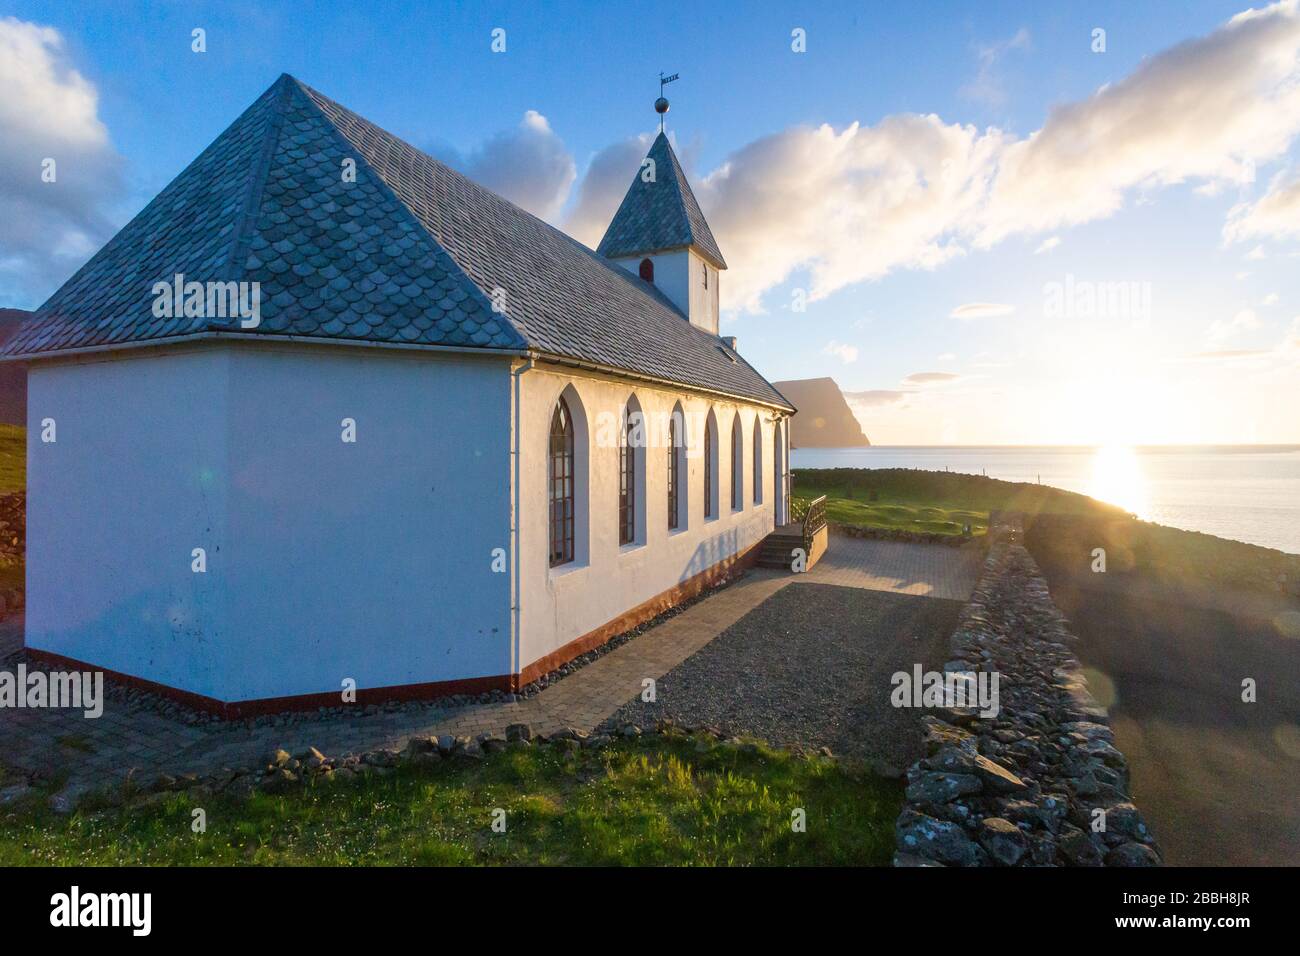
(1247, 493)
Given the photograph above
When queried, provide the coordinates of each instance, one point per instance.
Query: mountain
(825, 419)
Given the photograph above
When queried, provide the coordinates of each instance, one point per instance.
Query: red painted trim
(234, 710)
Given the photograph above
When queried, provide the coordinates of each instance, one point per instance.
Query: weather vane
(661, 104)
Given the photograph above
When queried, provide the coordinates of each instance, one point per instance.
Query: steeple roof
(409, 252)
(660, 214)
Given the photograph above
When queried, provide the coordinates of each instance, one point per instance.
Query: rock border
(281, 772)
(1023, 788)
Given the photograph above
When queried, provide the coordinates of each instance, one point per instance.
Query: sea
(1245, 492)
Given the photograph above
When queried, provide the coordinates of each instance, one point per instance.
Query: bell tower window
(647, 270)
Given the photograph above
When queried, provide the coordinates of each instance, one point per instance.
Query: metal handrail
(814, 519)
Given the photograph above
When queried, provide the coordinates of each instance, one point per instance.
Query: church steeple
(660, 234)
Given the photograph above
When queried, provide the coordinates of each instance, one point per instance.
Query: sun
(1117, 478)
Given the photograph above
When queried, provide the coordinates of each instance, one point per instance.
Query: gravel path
(810, 667)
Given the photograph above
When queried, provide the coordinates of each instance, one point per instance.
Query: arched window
(647, 270)
(710, 467)
(758, 458)
(676, 444)
(628, 440)
(561, 484)
(778, 475)
(710, 446)
(737, 465)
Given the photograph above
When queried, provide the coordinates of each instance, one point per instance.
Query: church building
(327, 411)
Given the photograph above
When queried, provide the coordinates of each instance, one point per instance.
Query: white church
(328, 411)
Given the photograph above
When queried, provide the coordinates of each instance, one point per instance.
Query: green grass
(13, 477)
(650, 801)
(13, 458)
(933, 501)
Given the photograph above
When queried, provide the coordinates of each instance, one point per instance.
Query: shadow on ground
(810, 667)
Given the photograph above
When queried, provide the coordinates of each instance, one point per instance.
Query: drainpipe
(516, 585)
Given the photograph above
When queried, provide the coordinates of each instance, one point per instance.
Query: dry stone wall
(1039, 784)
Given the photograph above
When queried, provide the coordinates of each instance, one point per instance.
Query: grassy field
(13, 458)
(654, 800)
(13, 477)
(934, 501)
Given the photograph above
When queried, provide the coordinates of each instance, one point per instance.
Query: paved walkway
(95, 751)
(929, 570)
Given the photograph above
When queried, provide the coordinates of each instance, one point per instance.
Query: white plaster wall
(561, 604)
(326, 560)
(135, 481)
(703, 298)
(370, 560)
(680, 276)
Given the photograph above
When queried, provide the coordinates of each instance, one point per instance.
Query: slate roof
(660, 214)
(409, 252)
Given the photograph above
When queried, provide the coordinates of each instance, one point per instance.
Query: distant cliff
(825, 419)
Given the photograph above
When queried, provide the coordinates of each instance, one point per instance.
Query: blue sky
(1160, 183)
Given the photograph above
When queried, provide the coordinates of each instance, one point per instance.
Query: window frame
(626, 481)
(674, 475)
(562, 525)
(737, 464)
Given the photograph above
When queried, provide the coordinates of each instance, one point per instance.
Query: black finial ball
(661, 105)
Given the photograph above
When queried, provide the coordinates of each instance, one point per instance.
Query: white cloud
(1047, 245)
(845, 353)
(49, 111)
(1221, 331)
(930, 378)
(847, 206)
(1209, 108)
(1275, 215)
(1270, 299)
(529, 165)
(606, 181)
(1286, 352)
(987, 86)
(981, 310)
